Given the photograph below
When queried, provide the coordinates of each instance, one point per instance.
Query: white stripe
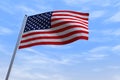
(67, 17)
(55, 40)
(65, 20)
(73, 14)
(70, 24)
(59, 27)
(54, 34)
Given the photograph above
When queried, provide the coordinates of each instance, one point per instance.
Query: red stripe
(65, 22)
(80, 13)
(54, 43)
(69, 15)
(80, 19)
(55, 31)
(54, 37)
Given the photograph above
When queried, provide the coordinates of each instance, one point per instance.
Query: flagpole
(16, 48)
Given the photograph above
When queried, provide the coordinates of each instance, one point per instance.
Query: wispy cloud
(105, 35)
(2, 49)
(96, 57)
(116, 49)
(58, 46)
(102, 51)
(98, 53)
(104, 68)
(37, 57)
(117, 4)
(2, 72)
(33, 61)
(74, 2)
(26, 10)
(108, 32)
(44, 8)
(97, 69)
(28, 74)
(114, 67)
(5, 31)
(39, 8)
(116, 77)
(114, 18)
(6, 7)
(99, 3)
(46, 60)
(97, 14)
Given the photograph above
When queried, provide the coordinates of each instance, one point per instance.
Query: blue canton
(39, 21)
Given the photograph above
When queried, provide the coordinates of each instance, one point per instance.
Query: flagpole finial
(26, 15)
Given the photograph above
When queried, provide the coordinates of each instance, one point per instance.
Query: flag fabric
(54, 28)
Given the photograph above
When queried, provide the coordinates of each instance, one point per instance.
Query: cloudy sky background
(95, 59)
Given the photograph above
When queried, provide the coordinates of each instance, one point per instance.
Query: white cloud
(97, 14)
(99, 49)
(2, 73)
(58, 46)
(97, 69)
(32, 56)
(117, 4)
(38, 8)
(104, 68)
(30, 73)
(107, 32)
(116, 49)
(105, 35)
(106, 49)
(34, 52)
(112, 32)
(46, 60)
(26, 10)
(116, 77)
(114, 67)
(95, 54)
(96, 57)
(74, 2)
(34, 61)
(98, 3)
(37, 57)
(5, 31)
(98, 39)
(29, 10)
(114, 18)
(105, 3)
(98, 53)
(18, 75)
(3, 49)
(6, 7)
(43, 8)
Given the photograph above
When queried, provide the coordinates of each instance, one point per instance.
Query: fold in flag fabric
(54, 28)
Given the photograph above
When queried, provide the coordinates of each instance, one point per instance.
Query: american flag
(54, 28)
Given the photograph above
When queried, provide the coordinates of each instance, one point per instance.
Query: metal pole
(16, 47)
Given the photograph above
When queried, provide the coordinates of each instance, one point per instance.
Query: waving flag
(54, 28)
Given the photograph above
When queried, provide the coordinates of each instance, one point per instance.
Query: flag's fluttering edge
(54, 28)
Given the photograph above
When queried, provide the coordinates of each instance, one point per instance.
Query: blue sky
(95, 59)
